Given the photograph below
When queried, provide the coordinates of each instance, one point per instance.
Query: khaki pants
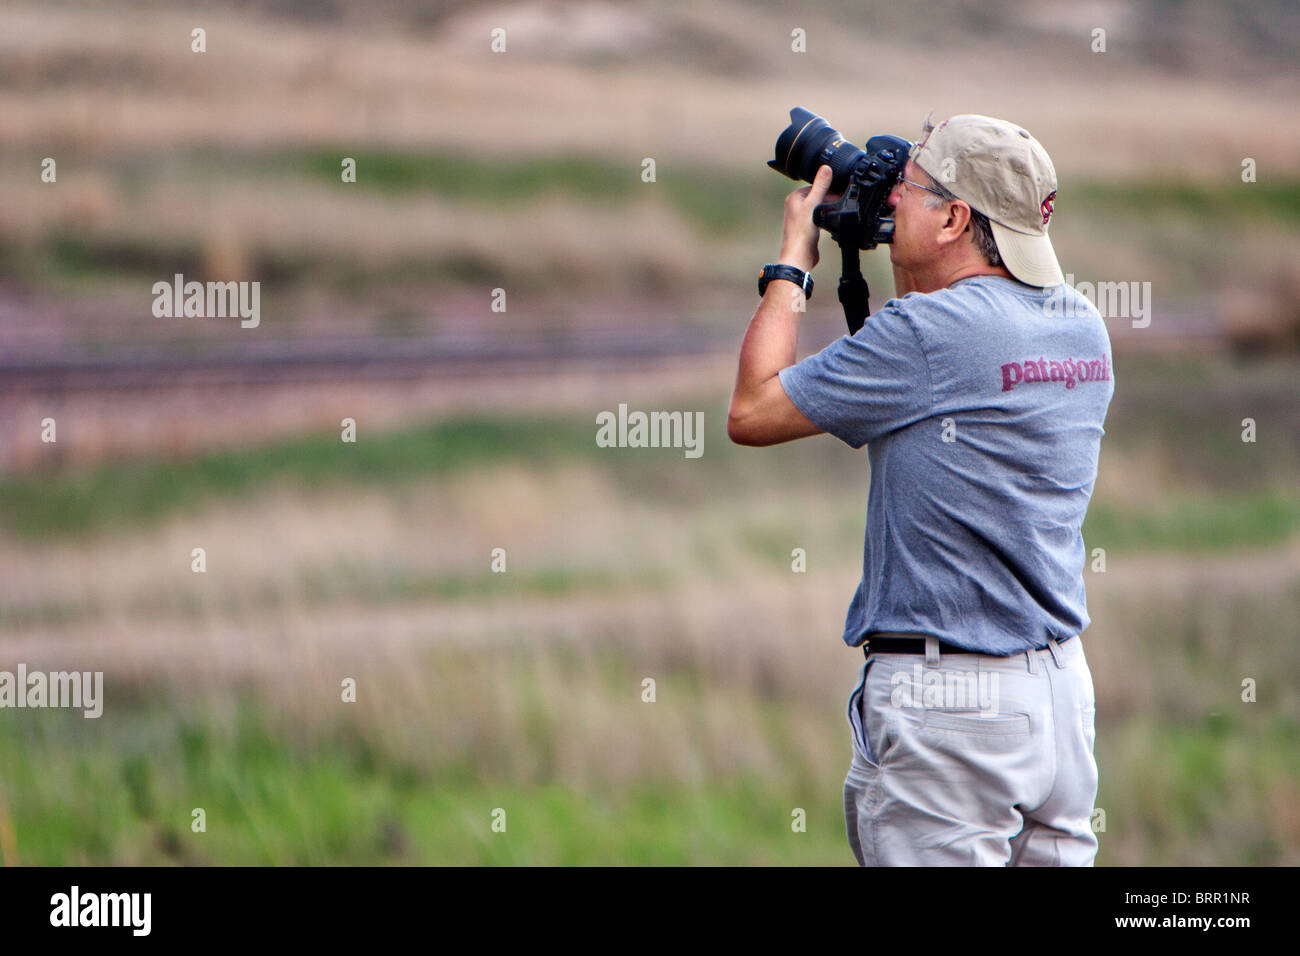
(973, 760)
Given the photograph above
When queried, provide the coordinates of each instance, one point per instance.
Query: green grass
(75, 502)
(727, 202)
(122, 790)
(717, 198)
(1201, 796)
(358, 583)
(1196, 523)
(720, 203)
(1229, 201)
(1194, 426)
(128, 494)
(717, 201)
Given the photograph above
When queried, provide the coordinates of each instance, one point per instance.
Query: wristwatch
(800, 278)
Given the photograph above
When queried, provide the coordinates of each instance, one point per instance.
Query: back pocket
(968, 722)
(966, 731)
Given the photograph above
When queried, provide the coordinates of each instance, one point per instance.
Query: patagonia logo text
(1069, 371)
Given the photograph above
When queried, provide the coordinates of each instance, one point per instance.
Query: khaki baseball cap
(1003, 172)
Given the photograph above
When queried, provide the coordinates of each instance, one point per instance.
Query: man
(980, 391)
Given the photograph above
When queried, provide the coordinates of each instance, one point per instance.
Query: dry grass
(657, 590)
(534, 676)
(190, 419)
(267, 81)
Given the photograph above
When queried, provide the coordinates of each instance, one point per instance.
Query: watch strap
(790, 273)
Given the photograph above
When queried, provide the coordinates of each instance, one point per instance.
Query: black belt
(916, 645)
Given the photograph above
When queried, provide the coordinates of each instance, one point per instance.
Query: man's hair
(979, 223)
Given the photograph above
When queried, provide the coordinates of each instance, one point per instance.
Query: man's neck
(941, 279)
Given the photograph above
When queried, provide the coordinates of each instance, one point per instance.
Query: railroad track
(465, 355)
(333, 359)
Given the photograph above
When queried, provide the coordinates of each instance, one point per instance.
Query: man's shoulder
(988, 297)
(978, 288)
(968, 307)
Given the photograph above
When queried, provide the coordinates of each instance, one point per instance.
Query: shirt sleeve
(865, 385)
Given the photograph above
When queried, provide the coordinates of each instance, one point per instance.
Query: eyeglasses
(928, 189)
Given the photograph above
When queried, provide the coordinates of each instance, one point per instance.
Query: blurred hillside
(522, 170)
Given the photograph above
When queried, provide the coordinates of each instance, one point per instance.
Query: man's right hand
(799, 234)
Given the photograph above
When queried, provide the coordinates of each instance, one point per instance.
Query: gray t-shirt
(982, 408)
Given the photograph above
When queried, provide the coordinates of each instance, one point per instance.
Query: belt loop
(1029, 658)
(932, 650)
(1056, 653)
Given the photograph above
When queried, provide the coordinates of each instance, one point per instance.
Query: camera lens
(809, 143)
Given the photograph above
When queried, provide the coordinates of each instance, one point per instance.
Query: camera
(863, 177)
(860, 218)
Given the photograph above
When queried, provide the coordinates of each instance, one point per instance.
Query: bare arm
(761, 413)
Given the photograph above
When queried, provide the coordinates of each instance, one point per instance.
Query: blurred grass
(726, 210)
(521, 691)
(122, 792)
(127, 493)
(1188, 523)
(727, 200)
(353, 582)
(1213, 203)
(716, 201)
(1228, 493)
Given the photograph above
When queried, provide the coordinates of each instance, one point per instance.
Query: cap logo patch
(1047, 206)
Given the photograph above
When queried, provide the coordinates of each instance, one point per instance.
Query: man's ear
(954, 226)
